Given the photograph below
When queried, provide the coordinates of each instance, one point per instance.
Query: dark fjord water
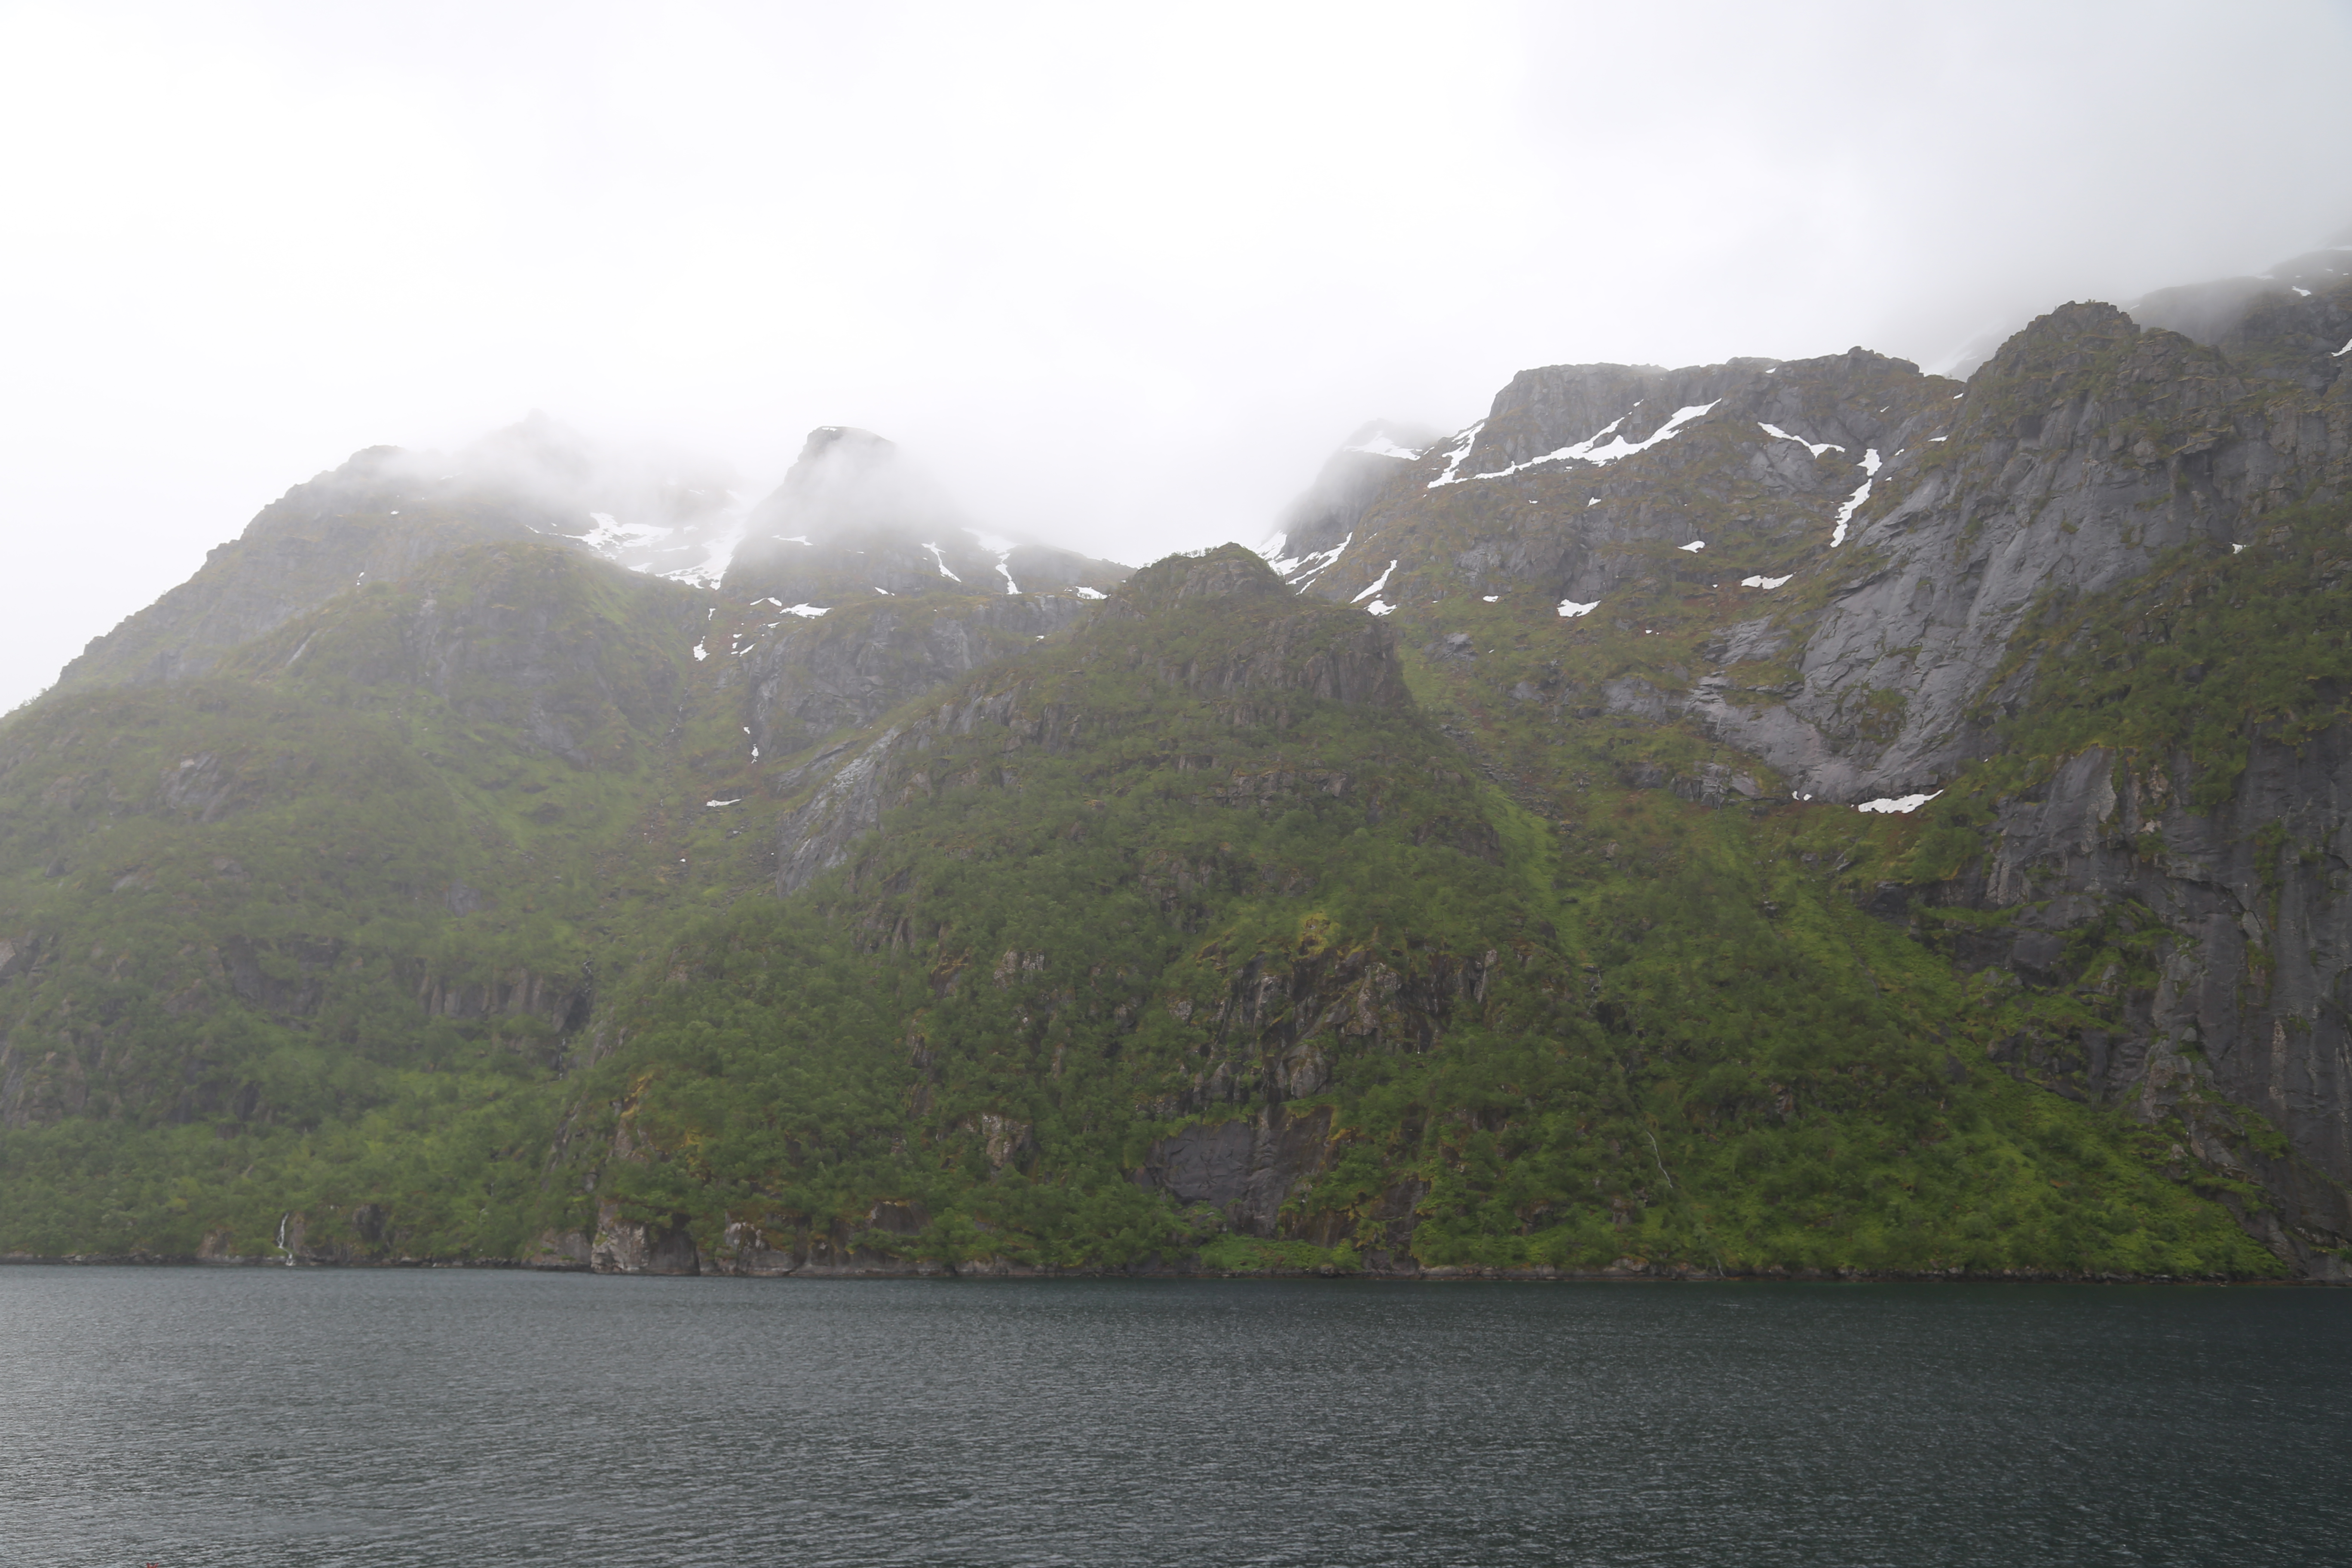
(263, 1417)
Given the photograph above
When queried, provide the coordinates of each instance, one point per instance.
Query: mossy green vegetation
(1683, 1045)
(1207, 866)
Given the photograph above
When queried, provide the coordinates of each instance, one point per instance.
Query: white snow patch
(2237, 549)
(1853, 502)
(713, 566)
(1271, 551)
(1468, 438)
(795, 539)
(1958, 395)
(700, 653)
(1939, 437)
(1591, 450)
(610, 537)
(1312, 565)
(996, 544)
(1488, 598)
(1892, 805)
(1594, 501)
(941, 562)
(1089, 593)
(2346, 349)
(2300, 290)
(1376, 586)
(807, 612)
(1382, 447)
(1815, 448)
(1379, 607)
(1764, 581)
(737, 801)
(884, 591)
(1570, 609)
(1694, 546)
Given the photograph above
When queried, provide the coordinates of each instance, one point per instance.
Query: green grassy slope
(412, 924)
(1656, 1030)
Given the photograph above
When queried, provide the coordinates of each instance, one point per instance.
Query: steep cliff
(1838, 580)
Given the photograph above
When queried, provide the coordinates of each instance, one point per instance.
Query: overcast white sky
(1119, 275)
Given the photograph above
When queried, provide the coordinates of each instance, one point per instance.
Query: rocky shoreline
(997, 1268)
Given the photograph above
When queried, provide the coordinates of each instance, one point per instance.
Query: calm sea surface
(266, 1416)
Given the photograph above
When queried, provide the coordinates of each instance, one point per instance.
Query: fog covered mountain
(1764, 817)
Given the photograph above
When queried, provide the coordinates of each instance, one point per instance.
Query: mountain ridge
(1475, 887)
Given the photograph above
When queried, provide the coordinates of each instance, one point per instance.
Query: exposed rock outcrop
(1244, 1169)
(2248, 1005)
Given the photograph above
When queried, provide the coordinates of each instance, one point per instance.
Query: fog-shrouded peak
(2217, 312)
(848, 482)
(664, 512)
(2230, 312)
(856, 517)
(1376, 453)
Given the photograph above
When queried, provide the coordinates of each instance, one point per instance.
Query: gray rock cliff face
(1544, 411)
(1918, 521)
(2086, 450)
(1245, 1170)
(1588, 480)
(2250, 1005)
